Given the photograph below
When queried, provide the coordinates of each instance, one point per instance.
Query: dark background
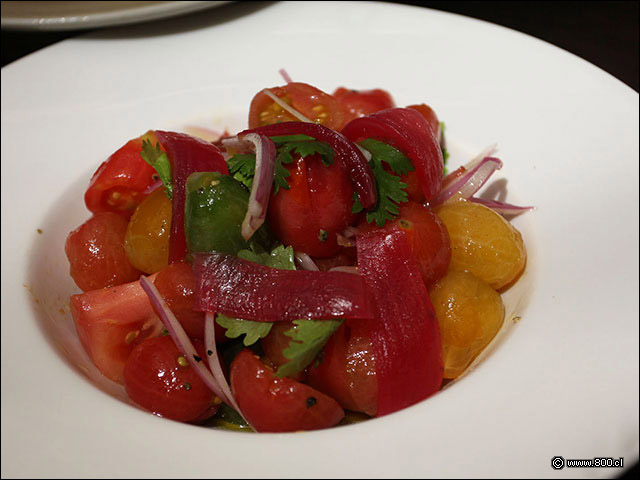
(603, 33)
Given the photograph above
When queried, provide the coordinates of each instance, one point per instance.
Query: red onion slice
(501, 207)
(214, 363)
(180, 338)
(262, 182)
(346, 268)
(305, 262)
(285, 75)
(470, 182)
(153, 187)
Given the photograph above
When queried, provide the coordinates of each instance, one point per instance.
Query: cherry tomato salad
(317, 268)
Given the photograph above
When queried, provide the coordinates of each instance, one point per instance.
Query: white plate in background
(561, 381)
(73, 15)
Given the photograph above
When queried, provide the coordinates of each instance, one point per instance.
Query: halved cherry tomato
(428, 238)
(358, 103)
(316, 105)
(97, 255)
(120, 183)
(273, 404)
(347, 371)
(160, 379)
(316, 207)
(176, 284)
(111, 322)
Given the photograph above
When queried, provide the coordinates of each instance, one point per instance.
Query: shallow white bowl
(563, 380)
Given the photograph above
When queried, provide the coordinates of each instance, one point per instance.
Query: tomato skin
(147, 238)
(120, 183)
(347, 371)
(279, 404)
(313, 103)
(427, 236)
(358, 103)
(97, 255)
(176, 284)
(111, 321)
(431, 118)
(155, 380)
(319, 199)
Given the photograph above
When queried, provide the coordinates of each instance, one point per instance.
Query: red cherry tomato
(96, 253)
(160, 379)
(273, 404)
(316, 207)
(428, 238)
(120, 183)
(347, 371)
(111, 321)
(430, 116)
(316, 105)
(176, 284)
(358, 103)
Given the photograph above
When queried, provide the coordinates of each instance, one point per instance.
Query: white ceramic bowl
(563, 380)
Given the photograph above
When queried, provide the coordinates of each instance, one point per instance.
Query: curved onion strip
(153, 187)
(365, 152)
(487, 152)
(285, 106)
(305, 262)
(180, 337)
(470, 182)
(214, 362)
(344, 241)
(262, 182)
(236, 145)
(345, 268)
(501, 207)
(285, 75)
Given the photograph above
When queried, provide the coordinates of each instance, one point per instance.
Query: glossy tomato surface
(358, 103)
(427, 236)
(97, 254)
(315, 208)
(111, 321)
(347, 370)
(121, 182)
(160, 379)
(316, 105)
(273, 404)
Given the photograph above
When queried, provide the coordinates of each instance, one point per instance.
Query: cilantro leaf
(391, 190)
(280, 257)
(159, 160)
(253, 331)
(242, 167)
(445, 152)
(397, 161)
(308, 338)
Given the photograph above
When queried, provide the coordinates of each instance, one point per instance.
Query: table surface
(603, 33)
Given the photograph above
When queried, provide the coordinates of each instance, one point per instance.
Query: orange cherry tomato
(316, 105)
